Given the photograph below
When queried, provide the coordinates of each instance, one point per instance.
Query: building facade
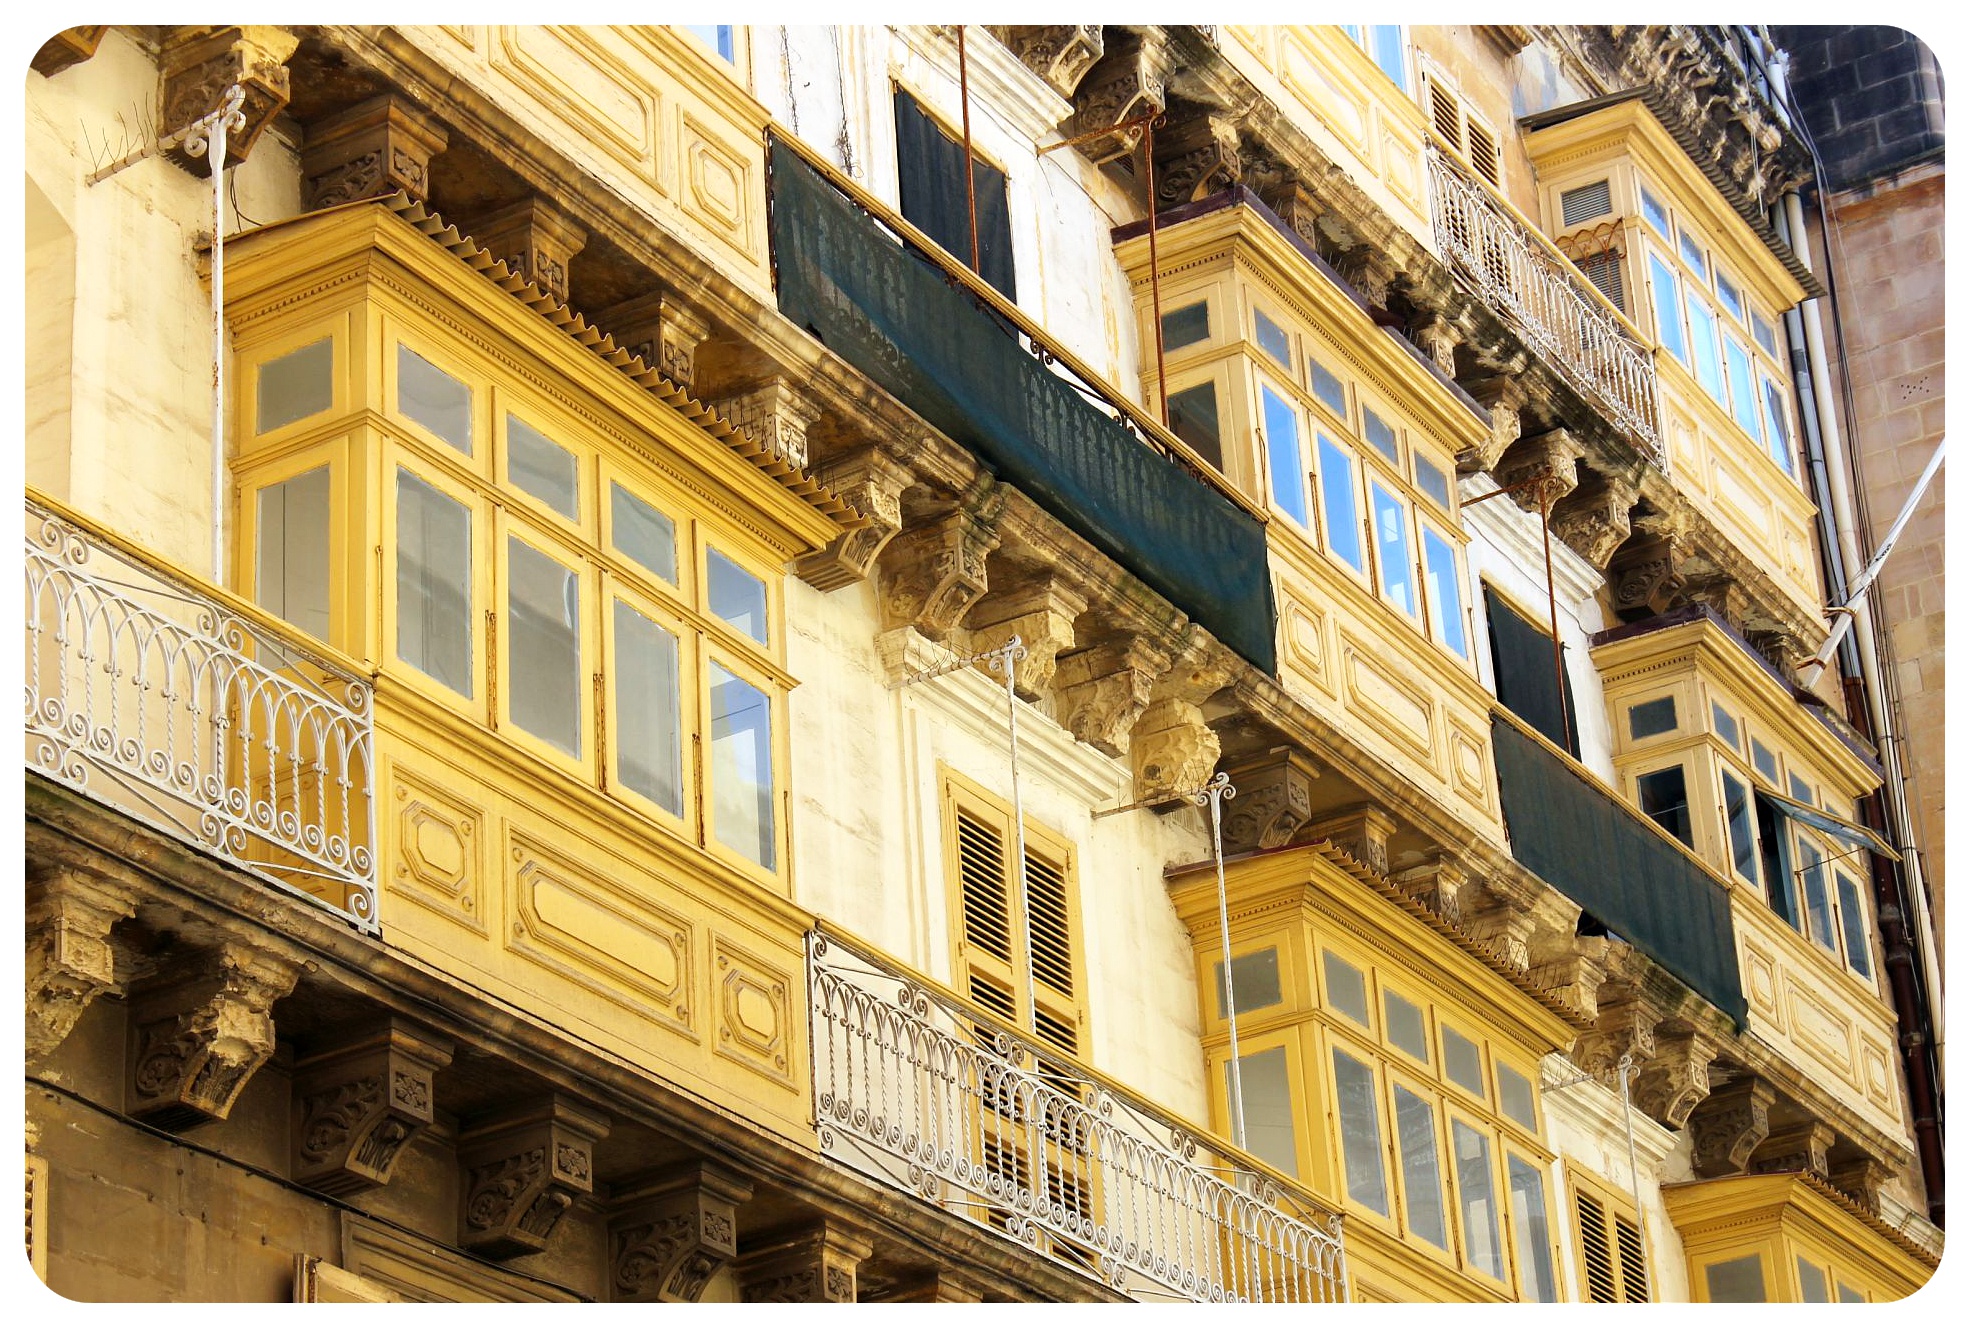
(950, 664)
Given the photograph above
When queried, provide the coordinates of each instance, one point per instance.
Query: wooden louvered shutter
(985, 903)
(1612, 1267)
(1482, 151)
(37, 1216)
(1604, 270)
(1634, 1268)
(1449, 121)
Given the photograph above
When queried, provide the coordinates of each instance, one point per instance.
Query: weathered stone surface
(814, 1266)
(374, 148)
(1729, 1125)
(359, 1100)
(519, 1169)
(199, 64)
(533, 239)
(69, 913)
(671, 1234)
(203, 1031)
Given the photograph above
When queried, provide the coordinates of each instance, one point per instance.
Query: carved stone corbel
(1040, 609)
(1728, 1126)
(938, 1286)
(1501, 921)
(1623, 1025)
(659, 331)
(1570, 969)
(1437, 885)
(1194, 158)
(1362, 832)
(1503, 397)
(1060, 54)
(376, 147)
(357, 1103)
(871, 482)
(933, 574)
(1676, 1078)
(1125, 83)
(198, 64)
(817, 1266)
(535, 241)
(1368, 268)
(669, 1236)
(1649, 572)
(1172, 752)
(1300, 208)
(1274, 799)
(520, 1169)
(1104, 689)
(1801, 1146)
(1861, 1178)
(70, 961)
(1439, 338)
(1542, 469)
(201, 1034)
(1593, 519)
(776, 415)
(1723, 595)
(70, 46)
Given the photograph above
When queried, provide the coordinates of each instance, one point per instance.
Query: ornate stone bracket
(1570, 969)
(519, 1171)
(659, 331)
(815, 1267)
(534, 240)
(1502, 919)
(1041, 610)
(872, 483)
(1369, 269)
(1503, 397)
(1648, 572)
(1061, 54)
(1861, 1178)
(933, 574)
(1172, 751)
(358, 1102)
(201, 1036)
(669, 1236)
(1274, 799)
(1437, 885)
(1728, 1126)
(939, 1286)
(1676, 1078)
(1439, 339)
(1545, 465)
(374, 148)
(198, 65)
(1124, 83)
(1362, 832)
(70, 961)
(1593, 519)
(1623, 1025)
(1104, 689)
(1802, 1146)
(1195, 157)
(775, 415)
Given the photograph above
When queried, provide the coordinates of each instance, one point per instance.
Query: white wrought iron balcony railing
(1546, 300)
(913, 1088)
(150, 694)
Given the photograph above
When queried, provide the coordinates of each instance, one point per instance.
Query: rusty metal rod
(1155, 273)
(1115, 128)
(1553, 618)
(970, 186)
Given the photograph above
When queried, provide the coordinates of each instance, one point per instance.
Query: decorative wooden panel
(438, 861)
(755, 1012)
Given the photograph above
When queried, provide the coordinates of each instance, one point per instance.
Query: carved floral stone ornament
(359, 1101)
(520, 1169)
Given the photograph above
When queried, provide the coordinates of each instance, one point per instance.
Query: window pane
(1282, 446)
(1736, 1281)
(1728, 296)
(1462, 1061)
(1664, 799)
(1761, 756)
(1347, 992)
(1778, 438)
(1422, 1183)
(1801, 790)
(1703, 347)
(1392, 550)
(1693, 253)
(649, 746)
(716, 36)
(1254, 980)
(742, 766)
(1668, 318)
(1726, 725)
(1361, 1133)
(1766, 335)
(1272, 339)
(1515, 1095)
(1406, 1028)
(1812, 1283)
(434, 399)
(1654, 213)
(1812, 880)
(298, 384)
(1737, 816)
(1744, 402)
(1380, 435)
(1780, 888)
(1446, 595)
(1194, 418)
(1535, 1241)
(1187, 326)
(290, 573)
(736, 595)
(1432, 481)
(1385, 44)
(1480, 1202)
(643, 534)
(1652, 717)
(1853, 925)
(541, 467)
(1338, 505)
(434, 583)
(1332, 393)
(1849, 1296)
(543, 603)
(1268, 1100)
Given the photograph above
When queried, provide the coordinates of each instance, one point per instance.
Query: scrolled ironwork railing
(149, 694)
(1546, 300)
(919, 1091)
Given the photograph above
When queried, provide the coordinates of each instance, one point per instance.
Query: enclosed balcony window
(735, 595)
(718, 36)
(1340, 504)
(1272, 339)
(536, 464)
(1668, 321)
(643, 534)
(1254, 981)
(1664, 798)
(1736, 1281)
(1282, 443)
(742, 767)
(1483, 1239)
(1405, 1026)
(1535, 1242)
(1812, 883)
(1347, 990)
(1194, 419)
(1463, 1062)
(1328, 390)
(291, 567)
(1704, 348)
(1422, 1183)
(1650, 718)
(1654, 212)
(1361, 1133)
(434, 583)
(1738, 821)
(1398, 576)
(1187, 326)
(1267, 1097)
(1853, 923)
(648, 698)
(295, 386)
(1446, 593)
(435, 399)
(543, 608)
(1384, 44)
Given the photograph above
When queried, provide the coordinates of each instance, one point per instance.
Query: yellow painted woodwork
(1313, 913)
(1784, 1219)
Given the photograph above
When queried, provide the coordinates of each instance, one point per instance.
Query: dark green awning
(1598, 852)
(895, 316)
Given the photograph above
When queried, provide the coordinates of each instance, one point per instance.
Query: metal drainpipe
(1833, 481)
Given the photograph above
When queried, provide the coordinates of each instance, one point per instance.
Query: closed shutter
(930, 187)
(37, 1216)
(1604, 270)
(1611, 1263)
(1465, 135)
(992, 939)
(1482, 151)
(1585, 203)
(1522, 664)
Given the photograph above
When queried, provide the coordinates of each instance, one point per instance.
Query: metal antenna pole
(1622, 1067)
(208, 135)
(1001, 661)
(1214, 794)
